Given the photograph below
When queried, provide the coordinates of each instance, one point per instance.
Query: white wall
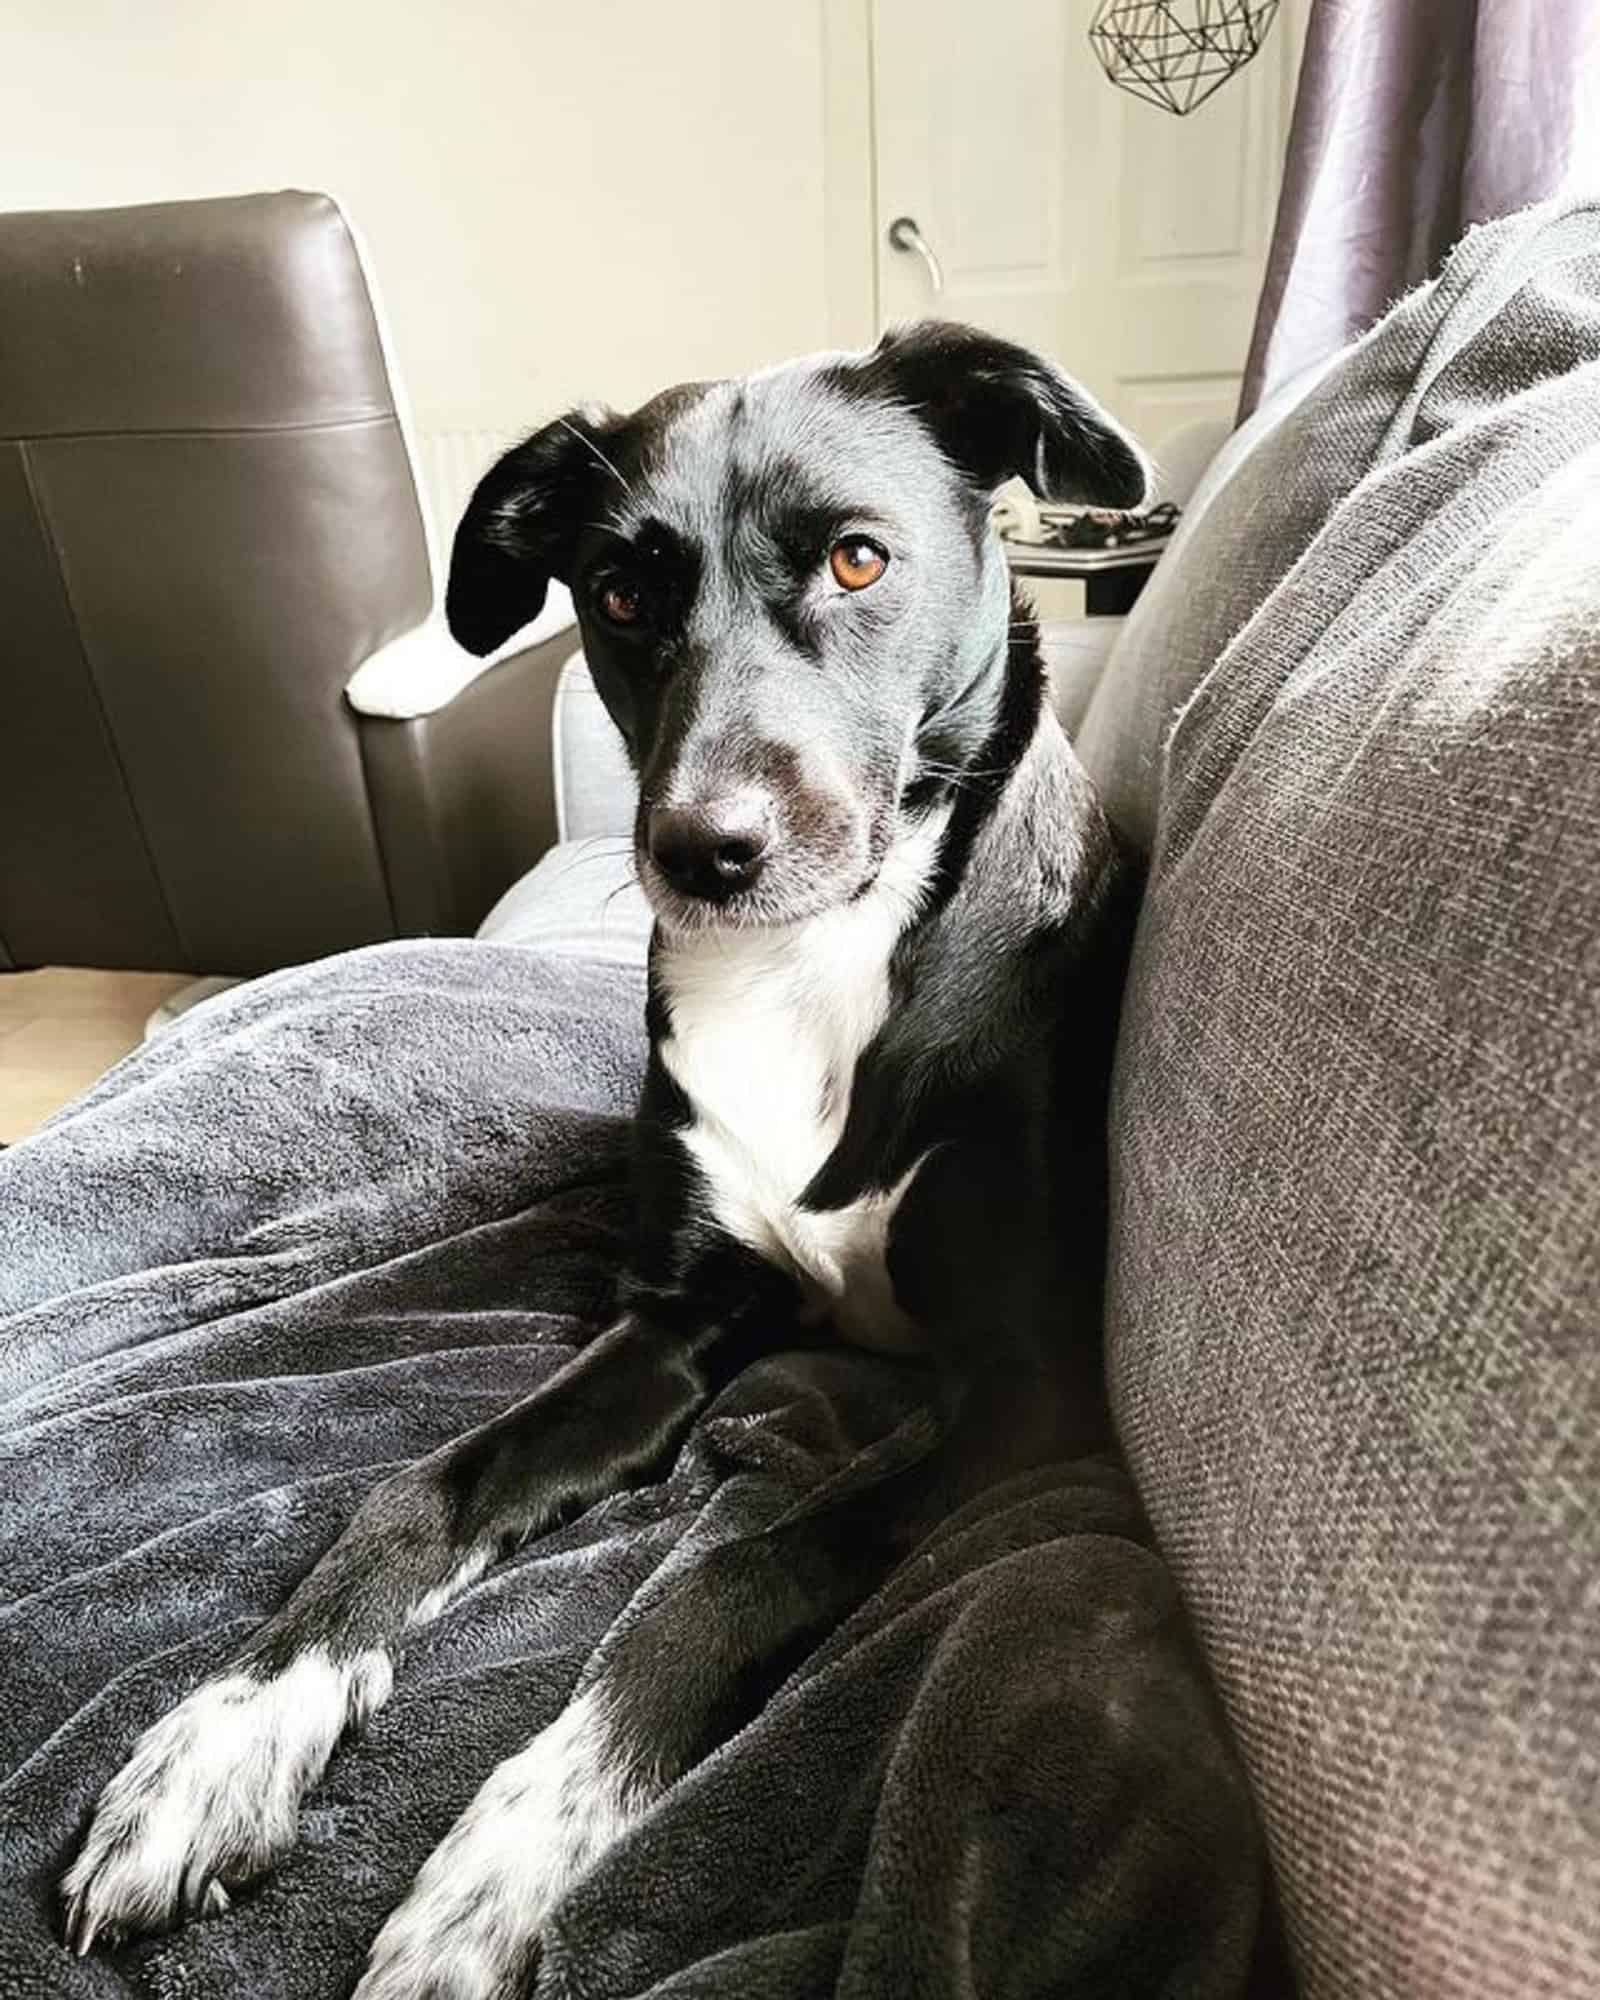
(563, 198)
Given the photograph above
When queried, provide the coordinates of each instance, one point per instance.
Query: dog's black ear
(520, 529)
(998, 410)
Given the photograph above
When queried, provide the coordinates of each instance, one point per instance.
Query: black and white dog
(892, 922)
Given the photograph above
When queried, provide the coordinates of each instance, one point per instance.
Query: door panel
(1126, 242)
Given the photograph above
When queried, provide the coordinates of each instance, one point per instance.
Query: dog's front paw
(469, 1930)
(210, 1797)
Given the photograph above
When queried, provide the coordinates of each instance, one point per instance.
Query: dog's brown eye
(856, 563)
(620, 604)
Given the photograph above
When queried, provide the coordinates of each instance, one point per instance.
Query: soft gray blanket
(345, 1212)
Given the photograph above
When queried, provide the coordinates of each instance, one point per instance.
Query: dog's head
(790, 597)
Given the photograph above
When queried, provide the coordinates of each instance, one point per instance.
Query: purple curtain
(1414, 119)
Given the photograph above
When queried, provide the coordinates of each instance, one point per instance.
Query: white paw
(211, 1795)
(469, 1928)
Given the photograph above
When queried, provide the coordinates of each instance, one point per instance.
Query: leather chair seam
(207, 431)
(52, 542)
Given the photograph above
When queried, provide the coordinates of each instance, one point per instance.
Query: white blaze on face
(767, 1026)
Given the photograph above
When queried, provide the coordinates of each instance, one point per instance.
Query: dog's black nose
(710, 850)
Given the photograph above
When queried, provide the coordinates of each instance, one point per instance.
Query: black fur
(999, 410)
(850, 717)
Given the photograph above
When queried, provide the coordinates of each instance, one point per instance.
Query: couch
(1353, 1330)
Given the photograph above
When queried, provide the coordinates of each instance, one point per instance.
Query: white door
(1127, 243)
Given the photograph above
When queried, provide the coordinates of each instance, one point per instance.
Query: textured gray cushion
(1278, 481)
(1181, 618)
(1355, 1298)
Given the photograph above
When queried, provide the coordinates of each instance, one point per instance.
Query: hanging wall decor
(1175, 53)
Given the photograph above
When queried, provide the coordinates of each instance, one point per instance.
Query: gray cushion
(583, 900)
(1075, 652)
(1277, 482)
(1227, 544)
(596, 793)
(1355, 1284)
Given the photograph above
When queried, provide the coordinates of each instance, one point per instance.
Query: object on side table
(1112, 552)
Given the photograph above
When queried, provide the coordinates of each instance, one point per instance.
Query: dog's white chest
(766, 1030)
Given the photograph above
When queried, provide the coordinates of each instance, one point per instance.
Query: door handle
(904, 234)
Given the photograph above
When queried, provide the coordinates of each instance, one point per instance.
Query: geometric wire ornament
(1175, 53)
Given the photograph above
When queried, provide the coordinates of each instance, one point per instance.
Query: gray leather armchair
(209, 528)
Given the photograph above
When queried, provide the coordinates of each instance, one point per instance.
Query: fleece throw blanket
(334, 1218)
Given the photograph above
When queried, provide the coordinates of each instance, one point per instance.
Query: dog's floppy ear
(998, 410)
(520, 528)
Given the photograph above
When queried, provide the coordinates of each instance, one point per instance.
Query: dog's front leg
(658, 1695)
(210, 1797)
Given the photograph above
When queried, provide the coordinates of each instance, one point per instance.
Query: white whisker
(595, 452)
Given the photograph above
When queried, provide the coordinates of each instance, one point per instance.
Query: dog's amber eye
(620, 604)
(856, 563)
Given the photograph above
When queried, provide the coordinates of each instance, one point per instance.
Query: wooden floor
(59, 1030)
